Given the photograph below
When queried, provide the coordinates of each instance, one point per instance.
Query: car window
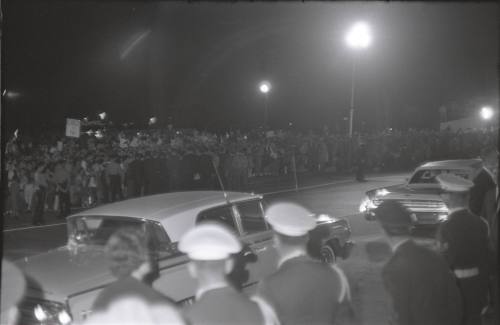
(161, 243)
(96, 230)
(428, 176)
(252, 217)
(223, 215)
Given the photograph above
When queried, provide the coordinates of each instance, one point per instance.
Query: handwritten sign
(72, 128)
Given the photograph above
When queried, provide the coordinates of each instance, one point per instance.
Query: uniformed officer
(463, 240)
(302, 290)
(210, 247)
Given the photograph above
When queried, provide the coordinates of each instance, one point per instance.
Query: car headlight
(51, 312)
(443, 217)
(382, 192)
(366, 204)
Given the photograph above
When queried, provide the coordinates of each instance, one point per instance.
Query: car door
(173, 278)
(256, 235)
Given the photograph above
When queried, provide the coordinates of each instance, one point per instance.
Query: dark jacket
(467, 238)
(422, 287)
(483, 183)
(303, 291)
(224, 306)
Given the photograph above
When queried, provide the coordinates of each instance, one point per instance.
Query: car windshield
(96, 230)
(428, 176)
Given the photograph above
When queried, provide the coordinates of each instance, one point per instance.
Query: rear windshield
(428, 176)
(96, 230)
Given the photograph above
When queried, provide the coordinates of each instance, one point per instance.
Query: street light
(359, 38)
(102, 115)
(486, 113)
(265, 88)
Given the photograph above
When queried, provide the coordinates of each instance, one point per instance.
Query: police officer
(210, 247)
(463, 239)
(302, 290)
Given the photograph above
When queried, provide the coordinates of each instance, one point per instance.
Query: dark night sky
(201, 62)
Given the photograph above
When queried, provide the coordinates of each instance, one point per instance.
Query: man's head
(210, 246)
(129, 253)
(490, 157)
(394, 218)
(455, 190)
(291, 224)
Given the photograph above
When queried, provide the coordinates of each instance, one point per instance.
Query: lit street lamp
(265, 88)
(359, 38)
(486, 113)
(102, 115)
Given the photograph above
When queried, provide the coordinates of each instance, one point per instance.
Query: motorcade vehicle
(421, 193)
(63, 283)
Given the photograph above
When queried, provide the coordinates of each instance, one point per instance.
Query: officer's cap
(209, 241)
(454, 183)
(290, 219)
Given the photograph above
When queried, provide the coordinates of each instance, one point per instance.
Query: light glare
(486, 113)
(264, 87)
(359, 36)
(40, 313)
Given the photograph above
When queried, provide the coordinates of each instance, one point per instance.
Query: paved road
(339, 196)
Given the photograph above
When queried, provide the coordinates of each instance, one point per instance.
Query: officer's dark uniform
(219, 302)
(467, 254)
(464, 237)
(423, 290)
(483, 182)
(224, 306)
(303, 290)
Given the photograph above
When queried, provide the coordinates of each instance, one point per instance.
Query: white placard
(72, 128)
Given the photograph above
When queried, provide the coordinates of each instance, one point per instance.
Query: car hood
(62, 272)
(403, 191)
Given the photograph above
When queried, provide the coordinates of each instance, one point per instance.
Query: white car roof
(453, 164)
(162, 206)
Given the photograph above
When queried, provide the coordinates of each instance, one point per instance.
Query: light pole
(265, 88)
(359, 38)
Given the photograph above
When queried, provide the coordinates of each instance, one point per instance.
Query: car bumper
(419, 219)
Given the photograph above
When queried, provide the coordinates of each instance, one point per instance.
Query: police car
(421, 192)
(64, 282)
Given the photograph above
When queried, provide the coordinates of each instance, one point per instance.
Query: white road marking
(324, 185)
(35, 227)
(267, 193)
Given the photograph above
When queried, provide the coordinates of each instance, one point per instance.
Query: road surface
(338, 196)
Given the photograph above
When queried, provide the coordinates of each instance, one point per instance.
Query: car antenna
(220, 181)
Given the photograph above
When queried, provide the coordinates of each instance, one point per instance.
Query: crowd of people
(55, 173)
(449, 284)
